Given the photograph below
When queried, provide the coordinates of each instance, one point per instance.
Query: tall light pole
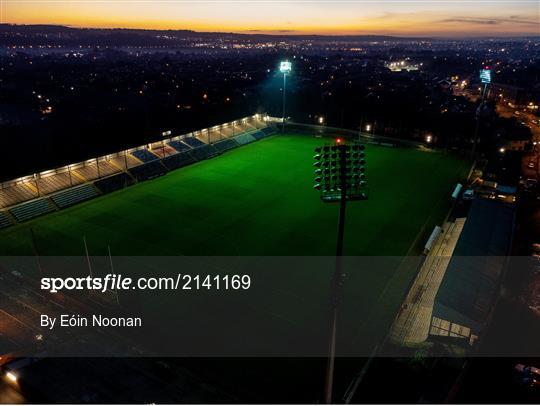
(285, 67)
(339, 177)
(485, 78)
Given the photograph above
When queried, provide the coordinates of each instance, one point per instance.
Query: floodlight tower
(485, 78)
(340, 176)
(285, 67)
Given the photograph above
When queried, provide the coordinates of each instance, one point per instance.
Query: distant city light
(321, 120)
(429, 138)
(285, 67)
(502, 150)
(368, 127)
(338, 140)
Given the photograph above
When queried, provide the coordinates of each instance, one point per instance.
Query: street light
(339, 176)
(12, 377)
(368, 128)
(285, 67)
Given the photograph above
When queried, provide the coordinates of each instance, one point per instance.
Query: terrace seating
(115, 182)
(148, 171)
(88, 171)
(225, 145)
(259, 123)
(240, 127)
(244, 139)
(258, 135)
(12, 195)
(250, 126)
(5, 220)
(144, 155)
(193, 142)
(106, 168)
(74, 195)
(120, 161)
(34, 208)
(179, 146)
(227, 131)
(268, 130)
(204, 152)
(163, 150)
(178, 160)
(215, 135)
(57, 181)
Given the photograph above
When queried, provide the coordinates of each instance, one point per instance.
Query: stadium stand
(193, 142)
(268, 130)
(122, 169)
(225, 145)
(258, 135)
(149, 170)
(211, 136)
(106, 168)
(74, 195)
(5, 220)
(244, 139)
(250, 126)
(178, 160)
(115, 182)
(163, 150)
(144, 155)
(179, 146)
(259, 123)
(204, 152)
(120, 161)
(240, 127)
(31, 209)
(14, 194)
(57, 181)
(88, 171)
(471, 283)
(227, 131)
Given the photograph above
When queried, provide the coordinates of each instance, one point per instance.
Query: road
(527, 119)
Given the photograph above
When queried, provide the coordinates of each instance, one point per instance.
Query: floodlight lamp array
(340, 171)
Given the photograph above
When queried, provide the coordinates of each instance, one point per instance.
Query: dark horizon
(258, 34)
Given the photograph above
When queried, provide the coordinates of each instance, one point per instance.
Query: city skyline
(451, 18)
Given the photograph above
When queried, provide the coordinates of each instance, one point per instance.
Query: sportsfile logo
(115, 282)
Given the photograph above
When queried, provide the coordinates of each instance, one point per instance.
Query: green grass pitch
(255, 200)
(259, 200)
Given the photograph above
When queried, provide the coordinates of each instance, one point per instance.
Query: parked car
(468, 194)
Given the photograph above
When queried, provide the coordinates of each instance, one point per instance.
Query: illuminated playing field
(259, 200)
(255, 200)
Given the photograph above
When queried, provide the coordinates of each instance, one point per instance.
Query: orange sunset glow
(408, 18)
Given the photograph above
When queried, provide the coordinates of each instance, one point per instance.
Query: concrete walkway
(411, 327)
